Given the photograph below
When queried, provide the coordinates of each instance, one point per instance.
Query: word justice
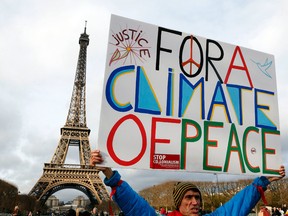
(131, 37)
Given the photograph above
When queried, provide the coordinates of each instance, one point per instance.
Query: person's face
(190, 204)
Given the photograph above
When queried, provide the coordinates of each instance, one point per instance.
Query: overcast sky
(38, 57)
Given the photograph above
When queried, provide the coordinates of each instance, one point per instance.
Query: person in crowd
(163, 211)
(85, 213)
(284, 208)
(187, 197)
(94, 212)
(276, 212)
(71, 212)
(264, 211)
(121, 214)
(16, 211)
(281, 211)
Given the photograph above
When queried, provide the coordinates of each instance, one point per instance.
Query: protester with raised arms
(187, 197)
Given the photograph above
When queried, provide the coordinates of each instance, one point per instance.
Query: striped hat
(180, 189)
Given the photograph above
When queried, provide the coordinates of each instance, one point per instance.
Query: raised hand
(281, 173)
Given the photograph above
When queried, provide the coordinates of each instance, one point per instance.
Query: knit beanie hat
(180, 189)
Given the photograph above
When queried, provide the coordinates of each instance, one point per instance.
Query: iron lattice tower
(57, 175)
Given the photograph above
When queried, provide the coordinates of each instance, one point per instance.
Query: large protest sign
(177, 101)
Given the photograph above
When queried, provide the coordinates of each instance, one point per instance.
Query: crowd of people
(265, 211)
(94, 212)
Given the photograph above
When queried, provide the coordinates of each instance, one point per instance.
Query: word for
(210, 60)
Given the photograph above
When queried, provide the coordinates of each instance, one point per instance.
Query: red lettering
(111, 138)
(155, 140)
(232, 66)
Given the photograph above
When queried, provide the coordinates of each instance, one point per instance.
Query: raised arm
(127, 199)
(245, 200)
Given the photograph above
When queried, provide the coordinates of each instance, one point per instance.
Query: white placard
(177, 101)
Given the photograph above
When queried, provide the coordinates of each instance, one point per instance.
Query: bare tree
(8, 196)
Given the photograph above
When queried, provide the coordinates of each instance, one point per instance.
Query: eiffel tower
(57, 175)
